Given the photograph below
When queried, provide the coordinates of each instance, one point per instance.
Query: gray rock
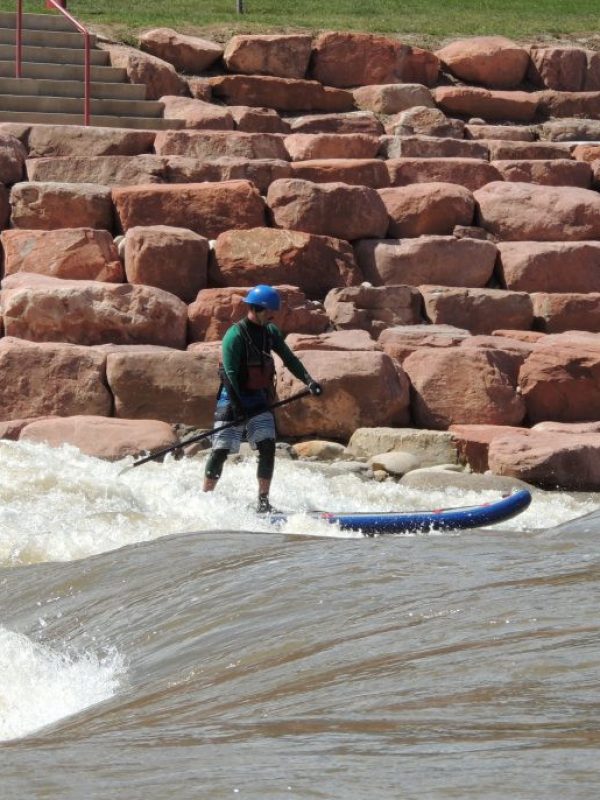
(429, 447)
(456, 480)
(396, 463)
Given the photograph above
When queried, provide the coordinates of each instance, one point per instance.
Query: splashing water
(39, 686)
(59, 505)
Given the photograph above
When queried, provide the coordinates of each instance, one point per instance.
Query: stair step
(63, 72)
(57, 88)
(139, 123)
(54, 55)
(71, 39)
(51, 88)
(74, 105)
(53, 21)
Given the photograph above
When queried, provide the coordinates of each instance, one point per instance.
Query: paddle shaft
(198, 437)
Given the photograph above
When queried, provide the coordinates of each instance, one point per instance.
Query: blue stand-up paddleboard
(442, 519)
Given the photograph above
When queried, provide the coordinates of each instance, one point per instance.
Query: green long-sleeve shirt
(234, 355)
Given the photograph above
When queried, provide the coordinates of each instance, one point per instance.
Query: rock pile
(432, 221)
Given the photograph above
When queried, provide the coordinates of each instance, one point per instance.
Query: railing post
(61, 5)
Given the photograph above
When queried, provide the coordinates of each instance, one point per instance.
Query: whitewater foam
(39, 685)
(57, 504)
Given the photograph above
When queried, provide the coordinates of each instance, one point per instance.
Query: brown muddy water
(156, 642)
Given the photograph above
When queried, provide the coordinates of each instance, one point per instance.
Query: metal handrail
(86, 46)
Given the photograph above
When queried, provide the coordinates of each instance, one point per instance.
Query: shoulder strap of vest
(267, 339)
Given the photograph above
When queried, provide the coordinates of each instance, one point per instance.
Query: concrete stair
(51, 88)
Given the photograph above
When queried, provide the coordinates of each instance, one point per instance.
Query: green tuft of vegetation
(424, 22)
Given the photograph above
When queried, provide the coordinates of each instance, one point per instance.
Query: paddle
(206, 434)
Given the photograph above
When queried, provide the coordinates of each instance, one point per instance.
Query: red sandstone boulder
(556, 172)
(568, 130)
(553, 460)
(349, 122)
(392, 98)
(43, 206)
(424, 121)
(468, 172)
(258, 120)
(402, 340)
(199, 88)
(20, 130)
(477, 310)
(260, 171)
(51, 141)
(185, 53)
(102, 170)
(529, 337)
(568, 104)
(470, 101)
(197, 114)
(373, 308)
(11, 429)
(360, 388)
(492, 61)
(442, 260)
(463, 385)
(329, 209)
(43, 309)
(279, 55)
(75, 253)
(101, 437)
(214, 144)
(215, 310)
(509, 133)
(586, 152)
(568, 427)
(333, 340)
(595, 165)
(509, 150)
(560, 68)
(556, 313)
(426, 208)
(362, 59)
(473, 443)
(315, 264)
(4, 207)
(168, 385)
(560, 380)
(282, 94)
(550, 266)
(355, 171)
(51, 379)
(12, 159)
(510, 343)
(433, 147)
(524, 211)
(159, 76)
(205, 208)
(306, 146)
(592, 75)
(173, 259)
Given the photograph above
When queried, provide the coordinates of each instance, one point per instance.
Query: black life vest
(258, 371)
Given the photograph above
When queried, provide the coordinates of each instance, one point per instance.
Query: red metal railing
(86, 47)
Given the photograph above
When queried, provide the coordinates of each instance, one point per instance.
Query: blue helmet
(264, 296)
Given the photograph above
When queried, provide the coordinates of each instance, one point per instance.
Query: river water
(157, 642)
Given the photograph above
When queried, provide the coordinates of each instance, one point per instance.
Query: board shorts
(257, 429)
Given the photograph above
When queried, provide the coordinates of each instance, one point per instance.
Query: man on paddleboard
(247, 374)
